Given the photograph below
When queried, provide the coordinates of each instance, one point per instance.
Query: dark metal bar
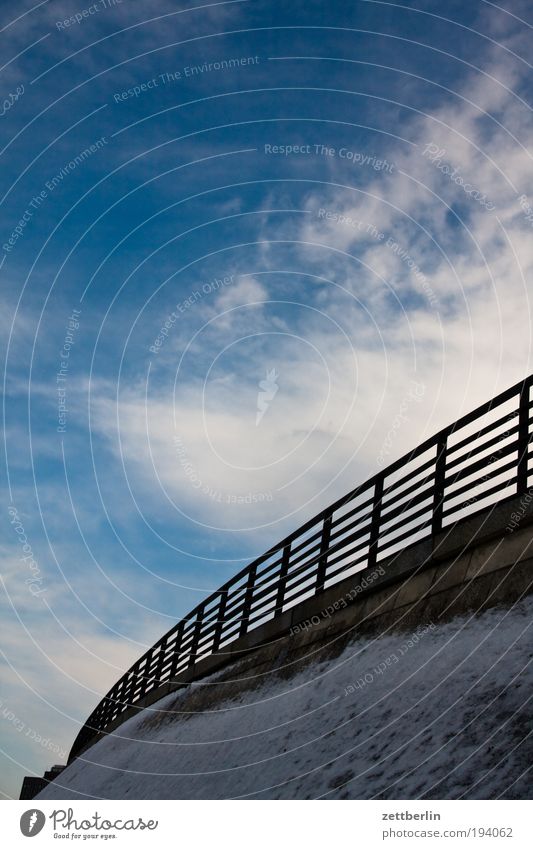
(336, 543)
(196, 635)
(472, 485)
(131, 685)
(342, 555)
(523, 438)
(400, 507)
(479, 466)
(160, 662)
(406, 520)
(478, 449)
(220, 621)
(312, 540)
(248, 600)
(482, 432)
(499, 487)
(176, 655)
(306, 557)
(323, 559)
(388, 543)
(358, 523)
(410, 476)
(374, 527)
(438, 496)
(414, 487)
(345, 566)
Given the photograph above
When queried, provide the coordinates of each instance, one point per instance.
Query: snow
(443, 714)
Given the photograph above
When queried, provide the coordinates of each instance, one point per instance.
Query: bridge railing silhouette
(479, 460)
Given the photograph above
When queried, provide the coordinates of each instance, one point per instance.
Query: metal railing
(478, 461)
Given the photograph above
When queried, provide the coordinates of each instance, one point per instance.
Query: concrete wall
(478, 563)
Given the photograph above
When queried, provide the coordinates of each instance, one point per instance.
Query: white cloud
(334, 404)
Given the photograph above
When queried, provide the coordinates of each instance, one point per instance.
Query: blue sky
(256, 229)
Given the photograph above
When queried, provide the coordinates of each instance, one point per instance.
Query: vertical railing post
(120, 693)
(438, 487)
(160, 662)
(523, 439)
(248, 595)
(374, 523)
(131, 686)
(144, 674)
(323, 558)
(196, 635)
(177, 648)
(220, 620)
(282, 580)
(98, 716)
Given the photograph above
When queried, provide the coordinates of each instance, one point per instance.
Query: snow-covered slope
(442, 714)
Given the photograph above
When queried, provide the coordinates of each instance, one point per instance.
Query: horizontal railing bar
(485, 408)
(312, 540)
(311, 555)
(235, 610)
(404, 520)
(271, 580)
(263, 594)
(403, 536)
(341, 549)
(331, 573)
(400, 509)
(340, 542)
(357, 508)
(298, 592)
(478, 465)
(342, 554)
(495, 440)
(483, 431)
(268, 601)
(469, 487)
(270, 568)
(428, 464)
(412, 488)
(357, 523)
(229, 632)
(232, 600)
(301, 575)
(482, 495)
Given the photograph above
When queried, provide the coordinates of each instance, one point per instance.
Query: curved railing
(473, 463)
